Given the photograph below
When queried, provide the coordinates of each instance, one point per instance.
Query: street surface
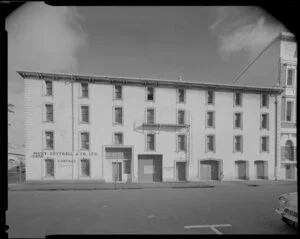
(227, 209)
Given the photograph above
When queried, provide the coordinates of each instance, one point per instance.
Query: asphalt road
(248, 210)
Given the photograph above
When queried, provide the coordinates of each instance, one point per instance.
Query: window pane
(49, 167)
(237, 143)
(118, 115)
(265, 100)
(210, 119)
(181, 117)
(210, 143)
(237, 120)
(150, 95)
(237, 98)
(85, 114)
(264, 144)
(290, 77)
(150, 116)
(85, 167)
(118, 138)
(85, 141)
(49, 140)
(84, 89)
(49, 112)
(127, 166)
(181, 142)
(209, 97)
(289, 106)
(48, 87)
(118, 92)
(150, 142)
(181, 95)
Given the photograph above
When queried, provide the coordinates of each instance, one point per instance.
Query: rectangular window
(150, 116)
(49, 88)
(210, 121)
(85, 167)
(49, 140)
(84, 90)
(49, 165)
(264, 100)
(238, 99)
(181, 139)
(181, 117)
(264, 143)
(181, 95)
(118, 115)
(238, 143)
(49, 112)
(290, 76)
(150, 142)
(150, 93)
(264, 121)
(237, 120)
(118, 92)
(118, 138)
(85, 140)
(84, 114)
(210, 97)
(289, 111)
(210, 143)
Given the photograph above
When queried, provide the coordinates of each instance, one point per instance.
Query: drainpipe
(72, 102)
(276, 132)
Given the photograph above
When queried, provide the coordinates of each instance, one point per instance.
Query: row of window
(118, 94)
(181, 142)
(150, 117)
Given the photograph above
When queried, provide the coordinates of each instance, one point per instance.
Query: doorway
(117, 171)
(209, 170)
(181, 171)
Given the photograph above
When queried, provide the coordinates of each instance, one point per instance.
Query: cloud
(40, 38)
(247, 29)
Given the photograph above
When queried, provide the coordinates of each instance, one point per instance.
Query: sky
(206, 44)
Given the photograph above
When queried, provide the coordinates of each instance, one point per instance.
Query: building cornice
(97, 79)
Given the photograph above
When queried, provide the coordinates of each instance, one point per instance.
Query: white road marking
(212, 227)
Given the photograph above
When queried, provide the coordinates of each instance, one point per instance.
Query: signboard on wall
(290, 91)
(55, 154)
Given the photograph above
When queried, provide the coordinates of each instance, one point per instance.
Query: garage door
(150, 168)
(209, 170)
(260, 170)
(241, 170)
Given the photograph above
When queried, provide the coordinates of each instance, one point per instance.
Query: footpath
(100, 185)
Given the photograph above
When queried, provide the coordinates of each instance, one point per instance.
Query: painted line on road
(212, 227)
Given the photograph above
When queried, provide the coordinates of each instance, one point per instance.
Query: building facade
(145, 130)
(287, 168)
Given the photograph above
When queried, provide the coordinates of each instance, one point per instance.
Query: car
(288, 208)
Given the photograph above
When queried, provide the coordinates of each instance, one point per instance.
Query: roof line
(144, 80)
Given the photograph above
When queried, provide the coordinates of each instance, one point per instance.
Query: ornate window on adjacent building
(290, 77)
(289, 110)
(289, 150)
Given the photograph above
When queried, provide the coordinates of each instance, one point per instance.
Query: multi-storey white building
(287, 167)
(80, 127)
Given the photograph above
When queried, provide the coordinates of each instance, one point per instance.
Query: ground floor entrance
(241, 170)
(117, 171)
(181, 171)
(150, 168)
(209, 170)
(290, 171)
(261, 170)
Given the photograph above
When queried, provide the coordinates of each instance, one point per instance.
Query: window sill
(44, 95)
(84, 97)
(118, 124)
(47, 121)
(210, 127)
(84, 122)
(119, 99)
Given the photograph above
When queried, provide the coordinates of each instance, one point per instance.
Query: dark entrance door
(181, 171)
(241, 169)
(150, 168)
(209, 170)
(260, 170)
(117, 171)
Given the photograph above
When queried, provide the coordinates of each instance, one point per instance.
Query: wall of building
(134, 103)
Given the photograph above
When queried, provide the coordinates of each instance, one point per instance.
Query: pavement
(100, 185)
(228, 208)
